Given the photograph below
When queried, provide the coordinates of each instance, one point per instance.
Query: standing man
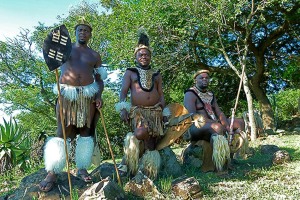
(198, 99)
(144, 112)
(81, 84)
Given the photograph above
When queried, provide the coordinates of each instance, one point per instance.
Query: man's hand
(99, 103)
(124, 116)
(228, 129)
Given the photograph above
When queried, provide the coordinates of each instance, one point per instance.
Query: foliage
(26, 75)
(14, 146)
(188, 35)
(115, 128)
(286, 103)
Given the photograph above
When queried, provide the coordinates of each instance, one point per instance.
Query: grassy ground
(254, 178)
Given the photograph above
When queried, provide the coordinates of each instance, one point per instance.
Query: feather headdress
(143, 42)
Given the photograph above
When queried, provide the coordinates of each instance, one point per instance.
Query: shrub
(286, 103)
(14, 146)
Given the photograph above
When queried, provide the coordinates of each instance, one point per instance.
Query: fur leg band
(55, 154)
(150, 164)
(122, 105)
(221, 151)
(83, 152)
(132, 151)
(101, 71)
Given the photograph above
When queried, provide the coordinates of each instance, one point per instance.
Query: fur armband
(166, 112)
(122, 105)
(101, 71)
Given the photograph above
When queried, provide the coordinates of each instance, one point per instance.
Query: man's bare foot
(84, 175)
(47, 184)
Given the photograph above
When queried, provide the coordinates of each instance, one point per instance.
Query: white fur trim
(150, 164)
(122, 105)
(101, 71)
(132, 152)
(55, 155)
(83, 152)
(72, 92)
(221, 151)
(166, 112)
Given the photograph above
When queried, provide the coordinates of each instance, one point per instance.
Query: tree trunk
(266, 108)
(265, 105)
(249, 98)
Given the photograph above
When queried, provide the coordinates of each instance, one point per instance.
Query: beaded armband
(101, 71)
(122, 105)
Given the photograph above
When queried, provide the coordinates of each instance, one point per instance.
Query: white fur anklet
(131, 151)
(221, 151)
(55, 154)
(150, 164)
(83, 152)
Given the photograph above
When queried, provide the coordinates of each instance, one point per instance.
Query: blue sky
(17, 14)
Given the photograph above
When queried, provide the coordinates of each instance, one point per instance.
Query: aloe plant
(14, 146)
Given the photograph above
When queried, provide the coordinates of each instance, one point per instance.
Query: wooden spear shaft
(62, 119)
(235, 105)
(109, 146)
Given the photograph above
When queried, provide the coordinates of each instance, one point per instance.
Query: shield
(179, 123)
(57, 47)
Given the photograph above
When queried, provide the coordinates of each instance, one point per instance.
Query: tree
(25, 82)
(217, 35)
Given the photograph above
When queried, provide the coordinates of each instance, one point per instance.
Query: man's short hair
(201, 72)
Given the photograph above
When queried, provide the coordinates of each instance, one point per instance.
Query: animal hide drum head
(57, 47)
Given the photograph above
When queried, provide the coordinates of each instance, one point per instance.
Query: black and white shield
(57, 47)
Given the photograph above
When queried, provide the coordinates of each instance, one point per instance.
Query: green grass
(254, 178)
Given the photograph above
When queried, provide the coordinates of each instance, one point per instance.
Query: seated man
(198, 99)
(144, 113)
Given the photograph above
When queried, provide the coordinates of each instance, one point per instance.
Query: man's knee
(141, 133)
(218, 128)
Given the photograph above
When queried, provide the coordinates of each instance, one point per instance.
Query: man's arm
(100, 82)
(221, 115)
(190, 102)
(125, 86)
(123, 106)
(160, 91)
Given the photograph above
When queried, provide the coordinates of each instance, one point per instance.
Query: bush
(14, 146)
(286, 104)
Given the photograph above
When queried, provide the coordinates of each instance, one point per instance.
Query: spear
(57, 48)
(109, 146)
(235, 106)
(62, 119)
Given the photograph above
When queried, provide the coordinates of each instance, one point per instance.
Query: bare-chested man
(198, 99)
(81, 83)
(144, 112)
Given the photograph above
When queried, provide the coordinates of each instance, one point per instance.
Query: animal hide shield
(179, 122)
(57, 47)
